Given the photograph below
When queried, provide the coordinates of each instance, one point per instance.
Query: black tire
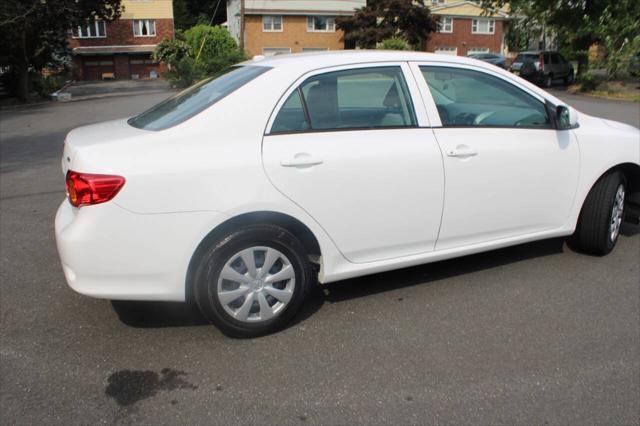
(213, 260)
(592, 234)
(569, 79)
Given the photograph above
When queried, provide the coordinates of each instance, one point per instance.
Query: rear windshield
(196, 98)
(527, 57)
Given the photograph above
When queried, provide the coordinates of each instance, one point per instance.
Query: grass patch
(628, 90)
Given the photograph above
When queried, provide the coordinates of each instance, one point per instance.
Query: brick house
(464, 29)
(271, 27)
(122, 49)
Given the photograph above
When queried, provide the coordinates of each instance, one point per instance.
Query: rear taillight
(541, 62)
(85, 189)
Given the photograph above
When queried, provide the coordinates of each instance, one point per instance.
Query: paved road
(530, 334)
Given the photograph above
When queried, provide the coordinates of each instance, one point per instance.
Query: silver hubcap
(256, 284)
(616, 214)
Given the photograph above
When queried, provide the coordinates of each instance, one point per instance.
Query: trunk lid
(93, 136)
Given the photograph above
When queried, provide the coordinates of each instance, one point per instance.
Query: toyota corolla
(245, 190)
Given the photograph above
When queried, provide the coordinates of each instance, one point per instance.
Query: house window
(271, 23)
(483, 26)
(144, 27)
(272, 51)
(445, 25)
(446, 50)
(437, 2)
(320, 24)
(96, 29)
(477, 50)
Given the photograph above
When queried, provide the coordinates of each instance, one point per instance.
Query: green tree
(579, 24)
(383, 19)
(187, 13)
(34, 33)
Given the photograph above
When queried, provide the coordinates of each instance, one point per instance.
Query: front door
(508, 172)
(345, 145)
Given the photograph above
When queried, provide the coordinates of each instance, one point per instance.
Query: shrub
(394, 43)
(171, 50)
(588, 82)
(204, 51)
(46, 85)
(207, 42)
(184, 72)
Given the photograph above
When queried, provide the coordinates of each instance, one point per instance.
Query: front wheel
(602, 215)
(253, 281)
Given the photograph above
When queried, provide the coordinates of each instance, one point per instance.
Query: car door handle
(301, 161)
(461, 151)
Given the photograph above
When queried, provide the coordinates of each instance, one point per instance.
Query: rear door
(351, 146)
(508, 171)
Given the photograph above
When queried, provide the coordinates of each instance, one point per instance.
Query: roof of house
(285, 7)
(467, 8)
(109, 50)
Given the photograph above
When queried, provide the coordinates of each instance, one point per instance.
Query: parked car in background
(542, 67)
(492, 58)
(337, 170)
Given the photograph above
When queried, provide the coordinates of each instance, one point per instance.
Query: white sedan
(243, 191)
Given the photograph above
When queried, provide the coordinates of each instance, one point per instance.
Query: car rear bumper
(108, 252)
(536, 78)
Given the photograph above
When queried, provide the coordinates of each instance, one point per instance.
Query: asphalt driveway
(533, 334)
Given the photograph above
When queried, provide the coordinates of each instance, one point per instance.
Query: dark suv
(542, 67)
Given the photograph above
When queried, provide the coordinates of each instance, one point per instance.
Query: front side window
(467, 98)
(271, 23)
(364, 98)
(94, 29)
(144, 27)
(321, 24)
(445, 25)
(483, 26)
(195, 99)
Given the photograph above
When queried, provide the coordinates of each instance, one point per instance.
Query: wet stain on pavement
(130, 386)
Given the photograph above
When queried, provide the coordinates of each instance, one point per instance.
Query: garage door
(446, 51)
(143, 67)
(94, 68)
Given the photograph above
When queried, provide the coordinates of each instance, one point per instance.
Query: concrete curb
(116, 95)
(85, 98)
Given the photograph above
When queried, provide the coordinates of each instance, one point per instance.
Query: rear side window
(195, 99)
(466, 98)
(363, 98)
(292, 117)
(524, 57)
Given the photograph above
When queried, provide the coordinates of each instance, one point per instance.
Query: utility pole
(241, 25)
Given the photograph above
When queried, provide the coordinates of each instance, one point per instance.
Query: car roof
(313, 60)
(537, 52)
(296, 64)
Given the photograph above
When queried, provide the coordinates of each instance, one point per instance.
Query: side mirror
(566, 117)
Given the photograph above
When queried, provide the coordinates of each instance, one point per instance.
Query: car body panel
(185, 181)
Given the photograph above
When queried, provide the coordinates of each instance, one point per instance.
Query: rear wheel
(548, 81)
(569, 79)
(253, 281)
(602, 215)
